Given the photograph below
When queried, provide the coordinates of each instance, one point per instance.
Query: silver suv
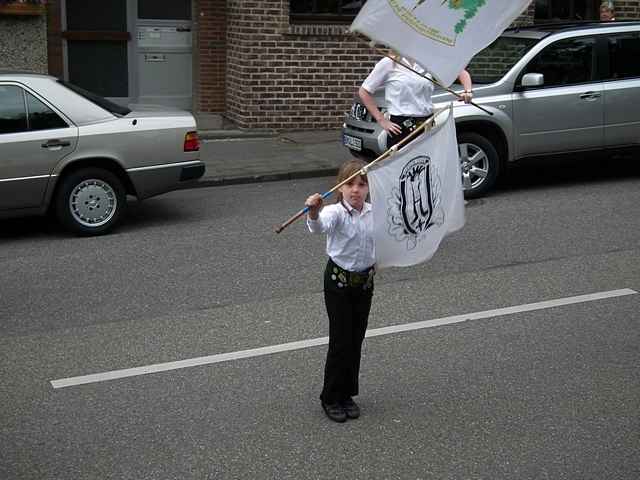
(552, 89)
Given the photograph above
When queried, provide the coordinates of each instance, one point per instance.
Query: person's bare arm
(465, 80)
(378, 116)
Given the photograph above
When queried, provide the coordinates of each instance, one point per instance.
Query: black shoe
(351, 408)
(335, 412)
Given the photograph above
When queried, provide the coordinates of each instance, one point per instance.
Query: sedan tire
(479, 162)
(90, 201)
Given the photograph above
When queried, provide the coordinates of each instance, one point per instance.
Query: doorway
(130, 51)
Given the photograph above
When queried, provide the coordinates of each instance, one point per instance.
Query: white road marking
(284, 347)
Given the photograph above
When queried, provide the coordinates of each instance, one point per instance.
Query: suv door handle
(55, 143)
(590, 95)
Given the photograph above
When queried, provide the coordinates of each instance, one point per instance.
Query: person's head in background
(607, 13)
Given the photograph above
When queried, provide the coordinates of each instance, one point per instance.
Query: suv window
(42, 117)
(624, 56)
(565, 62)
(492, 63)
(13, 115)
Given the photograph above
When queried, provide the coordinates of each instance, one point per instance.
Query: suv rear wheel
(90, 201)
(480, 164)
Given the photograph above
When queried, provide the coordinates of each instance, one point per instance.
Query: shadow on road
(140, 216)
(568, 171)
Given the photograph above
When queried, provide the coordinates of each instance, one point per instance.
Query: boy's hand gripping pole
(300, 213)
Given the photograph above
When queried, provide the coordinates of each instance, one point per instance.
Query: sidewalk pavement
(234, 156)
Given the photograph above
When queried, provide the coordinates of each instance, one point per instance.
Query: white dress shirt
(406, 93)
(349, 235)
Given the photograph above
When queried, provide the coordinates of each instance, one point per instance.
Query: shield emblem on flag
(416, 197)
(416, 200)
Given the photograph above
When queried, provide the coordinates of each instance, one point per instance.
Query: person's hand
(466, 96)
(314, 202)
(390, 127)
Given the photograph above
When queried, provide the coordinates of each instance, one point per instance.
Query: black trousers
(348, 310)
(407, 124)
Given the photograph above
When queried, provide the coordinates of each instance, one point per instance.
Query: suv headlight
(360, 112)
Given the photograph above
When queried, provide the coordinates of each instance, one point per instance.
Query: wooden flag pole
(426, 126)
(435, 82)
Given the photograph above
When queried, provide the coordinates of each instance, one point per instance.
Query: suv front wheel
(479, 162)
(90, 201)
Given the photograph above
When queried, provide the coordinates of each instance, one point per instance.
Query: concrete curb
(225, 134)
(258, 178)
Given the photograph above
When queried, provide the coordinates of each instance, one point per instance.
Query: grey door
(164, 53)
(622, 90)
(566, 114)
(33, 139)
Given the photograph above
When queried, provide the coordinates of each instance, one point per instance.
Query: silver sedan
(78, 155)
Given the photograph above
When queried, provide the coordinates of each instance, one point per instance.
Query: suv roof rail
(557, 26)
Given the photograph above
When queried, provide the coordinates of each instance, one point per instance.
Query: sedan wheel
(93, 203)
(90, 201)
(479, 163)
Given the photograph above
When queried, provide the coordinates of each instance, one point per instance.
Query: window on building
(164, 9)
(566, 62)
(624, 52)
(97, 39)
(99, 66)
(13, 114)
(324, 11)
(95, 15)
(567, 10)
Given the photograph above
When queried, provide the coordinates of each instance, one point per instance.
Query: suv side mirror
(533, 80)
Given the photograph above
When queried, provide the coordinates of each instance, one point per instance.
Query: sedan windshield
(102, 102)
(492, 63)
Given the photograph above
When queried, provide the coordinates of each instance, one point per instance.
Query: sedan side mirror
(532, 80)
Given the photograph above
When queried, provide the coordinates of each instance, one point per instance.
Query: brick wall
(211, 26)
(283, 76)
(527, 16)
(627, 10)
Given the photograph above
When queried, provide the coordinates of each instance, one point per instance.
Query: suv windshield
(492, 63)
(102, 102)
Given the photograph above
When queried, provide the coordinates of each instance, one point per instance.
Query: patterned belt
(345, 278)
(410, 123)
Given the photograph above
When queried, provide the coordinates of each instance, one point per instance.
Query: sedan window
(13, 114)
(102, 102)
(566, 62)
(42, 117)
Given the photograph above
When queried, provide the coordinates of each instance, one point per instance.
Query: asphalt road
(549, 393)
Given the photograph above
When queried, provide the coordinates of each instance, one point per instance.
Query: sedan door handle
(589, 95)
(55, 143)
